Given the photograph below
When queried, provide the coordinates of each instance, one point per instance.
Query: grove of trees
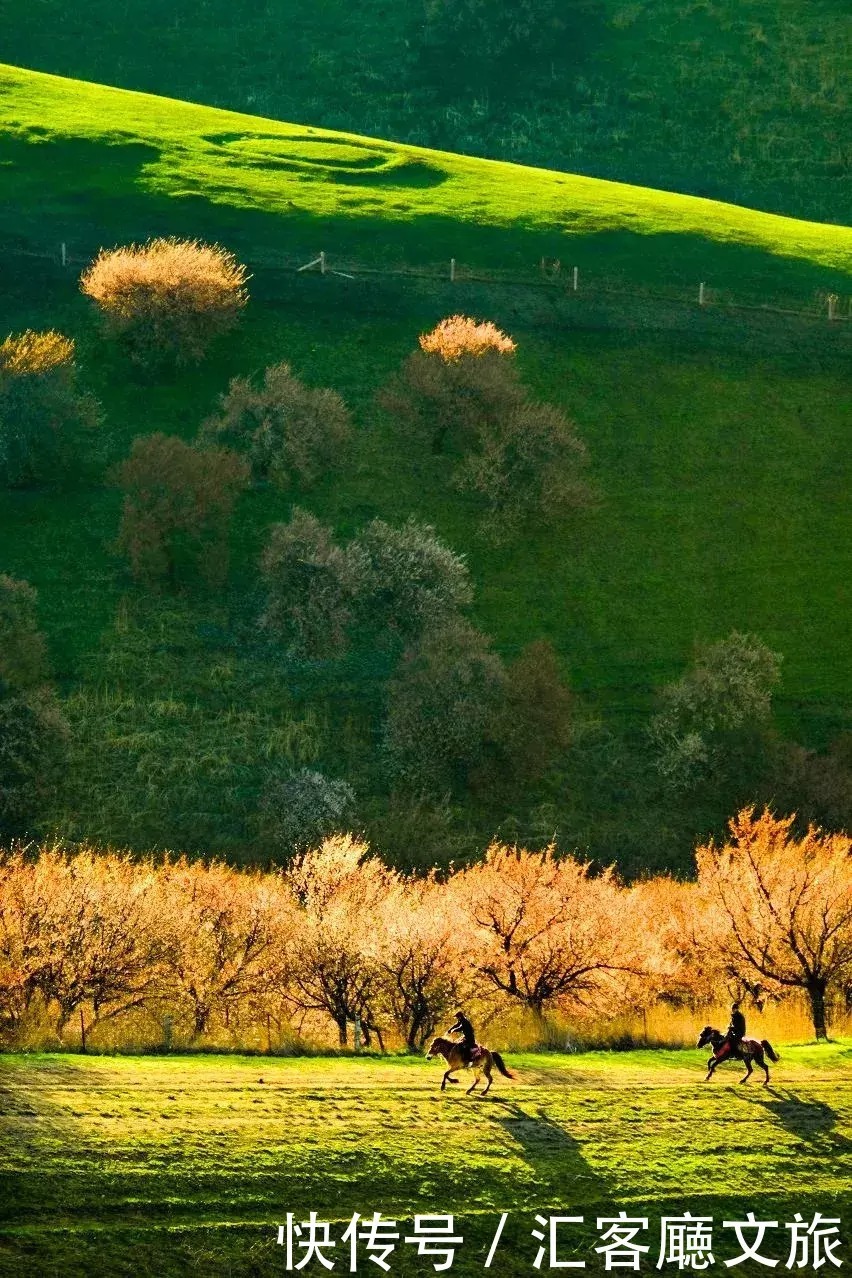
(339, 937)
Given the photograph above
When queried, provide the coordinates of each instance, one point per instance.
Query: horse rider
(734, 1035)
(468, 1043)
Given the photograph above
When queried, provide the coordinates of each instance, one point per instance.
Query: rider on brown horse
(468, 1044)
(735, 1034)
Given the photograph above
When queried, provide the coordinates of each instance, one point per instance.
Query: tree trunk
(816, 994)
(342, 1035)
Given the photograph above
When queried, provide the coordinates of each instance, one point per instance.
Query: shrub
(441, 705)
(178, 505)
(533, 725)
(528, 466)
(311, 585)
(166, 300)
(409, 580)
(23, 656)
(303, 807)
(728, 691)
(33, 733)
(288, 431)
(463, 378)
(44, 416)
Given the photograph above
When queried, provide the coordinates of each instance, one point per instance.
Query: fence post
(64, 254)
(576, 278)
(701, 294)
(832, 306)
(452, 269)
(356, 1036)
(82, 1032)
(322, 263)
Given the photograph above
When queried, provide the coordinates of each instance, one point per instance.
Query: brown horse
(453, 1054)
(750, 1049)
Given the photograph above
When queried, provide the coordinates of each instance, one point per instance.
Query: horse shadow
(812, 1121)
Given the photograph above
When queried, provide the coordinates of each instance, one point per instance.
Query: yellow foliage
(458, 335)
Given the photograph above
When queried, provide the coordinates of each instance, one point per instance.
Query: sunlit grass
(172, 1163)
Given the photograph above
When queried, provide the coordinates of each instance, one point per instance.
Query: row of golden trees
(90, 936)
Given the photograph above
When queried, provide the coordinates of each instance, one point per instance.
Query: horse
(453, 1054)
(750, 1049)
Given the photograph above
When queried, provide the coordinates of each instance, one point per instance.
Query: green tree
(46, 420)
(442, 703)
(724, 697)
(533, 723)
(311, 585)
(409, 580)
(528, 465)
(289, 432)
(178, 505)
(34, 735)
(302, 807)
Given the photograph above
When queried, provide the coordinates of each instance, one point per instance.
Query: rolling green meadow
(739, 100)
(717, 444)
(655, 146)
(174, 1165)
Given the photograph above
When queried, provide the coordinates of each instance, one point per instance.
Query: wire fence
(559, 285)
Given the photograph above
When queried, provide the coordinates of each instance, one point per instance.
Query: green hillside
(87, 164)
(718, 448)
(741, 100)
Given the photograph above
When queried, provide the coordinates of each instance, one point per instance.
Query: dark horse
(750, 1050)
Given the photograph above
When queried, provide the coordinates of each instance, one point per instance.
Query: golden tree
(82, 930)
(166, 300)
(420, 953)
(783, 906)
(341, 889)
(224, 937)
(462, 379)
(549, 931)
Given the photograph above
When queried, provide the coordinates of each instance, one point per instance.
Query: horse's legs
(473, 1084)
(487, 1072)
(762, 1063)
(447, 1078)
(711, 1065)
(747, 1075)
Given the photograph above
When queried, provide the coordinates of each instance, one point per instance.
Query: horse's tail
(498, 1061)
(769, 1049)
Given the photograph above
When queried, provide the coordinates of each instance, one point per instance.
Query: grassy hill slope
(742, 100)
(87, 164)
(721, 461)
(186, 1163)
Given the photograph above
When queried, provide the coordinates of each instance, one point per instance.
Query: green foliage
(178, 505)
(727, 691)
(528, 468)
(33, 732)
(23, 653)
(533, 725)
(288, 432)
(409, 580)
(311, 586)
(301, 807)
(45, 419)
(441, 705)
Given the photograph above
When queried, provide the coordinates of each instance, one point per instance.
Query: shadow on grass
(813, 1121)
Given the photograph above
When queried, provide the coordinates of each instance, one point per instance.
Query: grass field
(86, 164)
(188, 1164)
(736, 99)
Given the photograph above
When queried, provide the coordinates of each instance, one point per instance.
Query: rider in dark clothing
(735, 1034)
(464, 1027)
